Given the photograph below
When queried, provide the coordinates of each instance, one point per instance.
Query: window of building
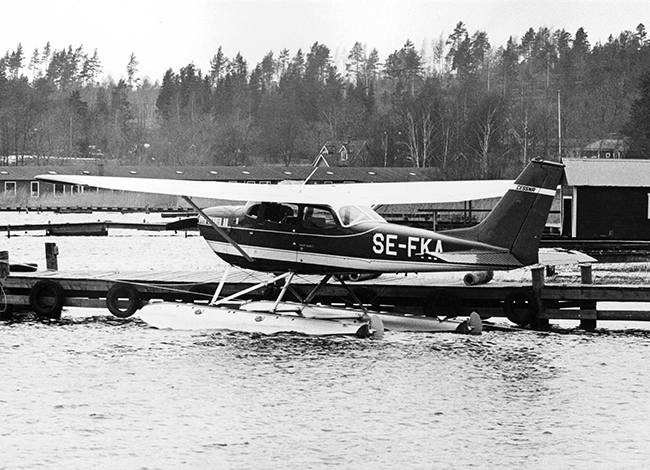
(10, 188)
(35, 189)
(59, 189)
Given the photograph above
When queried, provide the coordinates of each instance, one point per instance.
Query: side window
(318, 218)
(284, 214)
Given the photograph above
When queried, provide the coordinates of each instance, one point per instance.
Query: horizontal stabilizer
(559, 256)
(495, 259)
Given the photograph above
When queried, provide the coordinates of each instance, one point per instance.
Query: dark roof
(605, 172)
(228, 173)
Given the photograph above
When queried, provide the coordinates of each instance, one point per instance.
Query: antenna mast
(559, 127)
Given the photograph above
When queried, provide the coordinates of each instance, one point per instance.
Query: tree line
(457, 104)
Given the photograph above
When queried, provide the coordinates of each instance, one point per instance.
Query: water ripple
(100, 392)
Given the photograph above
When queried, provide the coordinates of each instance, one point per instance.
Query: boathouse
(20, 181)
(606, 199)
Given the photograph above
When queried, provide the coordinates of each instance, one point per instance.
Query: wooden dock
(96, 229)
(535, 303)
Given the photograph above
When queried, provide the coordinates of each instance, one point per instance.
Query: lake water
(92, 391)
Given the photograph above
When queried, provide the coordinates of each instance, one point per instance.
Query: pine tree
(638, 126)
(132, 70)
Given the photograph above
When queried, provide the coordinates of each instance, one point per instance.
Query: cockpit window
(352, 215)
(253, 210)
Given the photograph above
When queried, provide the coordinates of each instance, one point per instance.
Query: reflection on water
(101, 392)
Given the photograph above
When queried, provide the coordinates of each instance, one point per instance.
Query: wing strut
(219, 230)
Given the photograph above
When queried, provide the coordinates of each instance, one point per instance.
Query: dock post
(586, 277)
(4, 264)
(51, 260)
(538, 284)
(6, 313)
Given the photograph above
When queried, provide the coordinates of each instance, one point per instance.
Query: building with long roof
(606, 199)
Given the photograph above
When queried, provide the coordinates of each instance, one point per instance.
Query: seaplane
(331, 231)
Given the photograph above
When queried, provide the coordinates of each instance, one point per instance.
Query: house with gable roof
(605, 148)
(343, 153)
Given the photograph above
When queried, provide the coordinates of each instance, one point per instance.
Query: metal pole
(559, 126)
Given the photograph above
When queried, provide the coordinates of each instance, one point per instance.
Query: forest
(459, 105)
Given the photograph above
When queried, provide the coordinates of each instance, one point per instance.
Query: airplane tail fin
(517, 221)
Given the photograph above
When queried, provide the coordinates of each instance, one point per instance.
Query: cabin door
(274, 235)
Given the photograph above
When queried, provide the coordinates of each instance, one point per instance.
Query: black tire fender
(46, 298)
(515, 301)
(122, 291)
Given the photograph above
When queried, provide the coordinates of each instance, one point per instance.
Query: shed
(605, 148)
(606, 199)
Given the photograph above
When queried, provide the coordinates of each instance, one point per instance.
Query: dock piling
(4, 265)
(51, 256)
(6, 310)
(586, 277)
(538, 277)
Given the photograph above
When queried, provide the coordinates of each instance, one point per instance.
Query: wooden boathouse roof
(607, 172)
(258, 174)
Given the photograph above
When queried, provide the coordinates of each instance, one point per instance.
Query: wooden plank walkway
(413, 294)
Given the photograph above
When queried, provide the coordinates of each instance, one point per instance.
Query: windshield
(352, 215)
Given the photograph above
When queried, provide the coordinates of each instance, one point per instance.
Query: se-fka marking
(415, 246)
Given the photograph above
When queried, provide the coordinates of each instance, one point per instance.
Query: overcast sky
(167, 34)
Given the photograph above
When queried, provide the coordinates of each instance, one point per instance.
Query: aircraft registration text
(389, 244)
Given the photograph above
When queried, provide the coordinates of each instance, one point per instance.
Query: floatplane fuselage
(348, 238)
(316, 239)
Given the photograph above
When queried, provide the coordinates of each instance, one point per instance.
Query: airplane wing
(349, 193)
